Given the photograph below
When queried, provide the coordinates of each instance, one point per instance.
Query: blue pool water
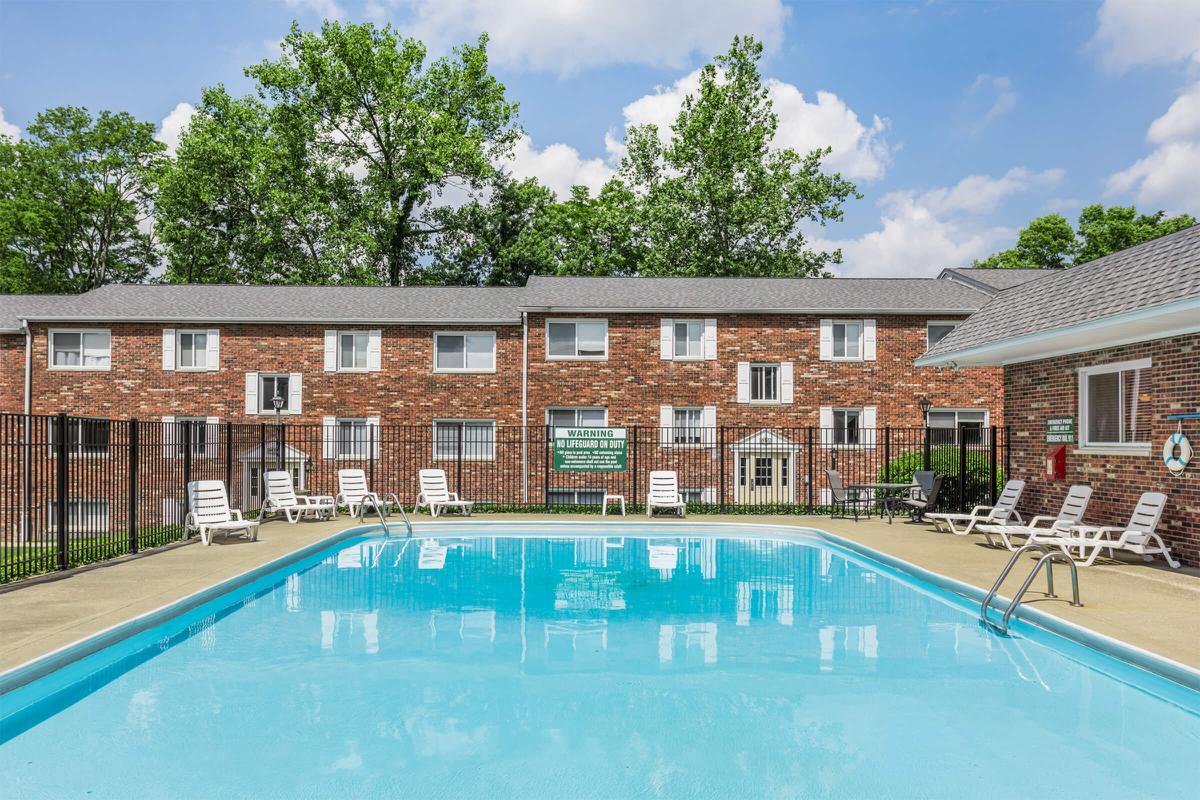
(584, 666)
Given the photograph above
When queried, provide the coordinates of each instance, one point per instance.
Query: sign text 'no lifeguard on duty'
(589, 449)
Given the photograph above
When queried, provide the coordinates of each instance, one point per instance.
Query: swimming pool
(589, 661)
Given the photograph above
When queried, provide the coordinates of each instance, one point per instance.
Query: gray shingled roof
(15, 307)
(841, 295)
(995, 280)
(357, 304)
(1154, 273)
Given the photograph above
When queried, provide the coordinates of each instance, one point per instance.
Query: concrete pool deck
(1146, 605)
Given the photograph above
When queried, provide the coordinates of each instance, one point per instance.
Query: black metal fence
(76, 490)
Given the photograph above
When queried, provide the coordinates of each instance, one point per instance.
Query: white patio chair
(282, 497)
(1137, 537)
(354, 493)
(209, 513)
(1004, 510)
(664, 493)
(1071, 513)
(435, 493)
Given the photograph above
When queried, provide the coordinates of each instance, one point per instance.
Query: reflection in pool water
(601, 666)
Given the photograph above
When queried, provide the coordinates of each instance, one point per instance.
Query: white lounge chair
(209, 513)
(282, 497)
(664, 493)
(1070, 514)
(435, 493)
(1138, 536)
(354, 493)
(1004, 510)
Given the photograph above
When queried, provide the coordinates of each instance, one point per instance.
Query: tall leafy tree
(1048, 241)
(405, 129)
(75, 195)
(717, 198)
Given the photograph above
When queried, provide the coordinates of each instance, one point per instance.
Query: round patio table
(883, 487)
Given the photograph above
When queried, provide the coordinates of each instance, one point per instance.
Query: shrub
(944, 461)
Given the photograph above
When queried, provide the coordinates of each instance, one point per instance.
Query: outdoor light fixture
(925, 405)
(277, 402)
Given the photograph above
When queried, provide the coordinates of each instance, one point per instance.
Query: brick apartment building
(1111, 351)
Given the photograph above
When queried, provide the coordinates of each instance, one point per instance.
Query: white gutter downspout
(25, 484)
(28, 365)
(524, 407)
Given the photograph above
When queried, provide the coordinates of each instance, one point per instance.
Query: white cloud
(173, 125)
(1182, 120)
(1167, 176)
(558, 166)
(7, 128)
(998, 89)
(1132, 33)
(921, 233)
(859, 151)
(326, 8)
(566, 37)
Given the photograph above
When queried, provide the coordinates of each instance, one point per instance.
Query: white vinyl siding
(478, 439)
(80, 349)
(1114, 410)
(581, 339)
(847, 340)
(464, 351)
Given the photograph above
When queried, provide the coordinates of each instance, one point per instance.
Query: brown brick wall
(12, 372)
(1039, 390)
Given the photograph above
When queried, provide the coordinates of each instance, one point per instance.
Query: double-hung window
(85, 437)
(477, 438)
(577, 339)
(192, 350)
(88, 515)
(764, 383)
(1114, 409)
(197, 434)
(464, 352)
(846, 425)
(689, 339)
(687, 424)
(847, 340)
(945, 425)
(577, 417)
(353, 438)
(80, 349)
(271, 386)
(352, 351)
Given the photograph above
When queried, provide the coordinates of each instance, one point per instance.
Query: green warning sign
(589, 449)
(1060, 430)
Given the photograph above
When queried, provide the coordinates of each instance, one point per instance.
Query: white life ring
(1177, 463)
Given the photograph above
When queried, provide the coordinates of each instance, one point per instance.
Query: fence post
(262, 461)
(992, 466)
(60, 509)
(810, 469)
(371, 453)
(546, 468)
(721, 458)
(229, 456)
(132, 480)
(634, 480)
(925, 450)
(459, 458)
(187, 462)
(887, 454)
(962, 469)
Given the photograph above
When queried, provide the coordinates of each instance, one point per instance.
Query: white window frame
(778, 383)
(264, 400)
(689, 356)
(575, 493)
(576, 321)
(464, 368)
(862, 325)
(196, 422)
(1110, 448)
(105, 521)
(81, 367)
(366, 351)
(687, 434)
(952, 323)
(575, 410)
(179, 334)
(466, 455)
(844, 410)
(75, 449)
(362, 448)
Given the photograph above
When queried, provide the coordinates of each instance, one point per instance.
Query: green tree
(1107, 230)
(586, 235)
(75, 195)
(1048, 241)
(718, 199)
(366, 102)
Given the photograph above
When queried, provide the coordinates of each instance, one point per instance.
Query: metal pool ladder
(383, 520)
(1048, 558)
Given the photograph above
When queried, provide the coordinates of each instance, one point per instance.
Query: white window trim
(778, 401)
(954, 323)
(437, 422)
(337, 426)
(987, 415)
(859, 445)
(576, 321)
(338, 351)
(76, 450)
(687, 320)
(179, 332)
(577, 408)
(1107, 448)
(467, 370)
(270, 412)
(51, 366)
(862, 327)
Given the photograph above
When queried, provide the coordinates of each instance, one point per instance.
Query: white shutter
(708, 495)
(212, 436)
(743, 382)
(373, 350)
(666, 419)
(867, 428)
(295, 393)
(666, 339)
(168, 349)
(331, 351)
(826, 424)
(251, 392)
(329, 436)
(710, 339)
(373, 432)
(172, 511)
(708, 420)
(214, 349)
(168, 437)
(868, 343)
(826, 340)
(785, 382)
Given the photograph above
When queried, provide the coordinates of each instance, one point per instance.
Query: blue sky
(959, 121)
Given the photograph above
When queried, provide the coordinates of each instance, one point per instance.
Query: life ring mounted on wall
(1177, 461)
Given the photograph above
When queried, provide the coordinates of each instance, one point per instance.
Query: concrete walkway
(1146, 605)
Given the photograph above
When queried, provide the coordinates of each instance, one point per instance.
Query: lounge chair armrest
(236, 513)
(1100, 529)
(1044, 518)
(453, 496)
(978, 510)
